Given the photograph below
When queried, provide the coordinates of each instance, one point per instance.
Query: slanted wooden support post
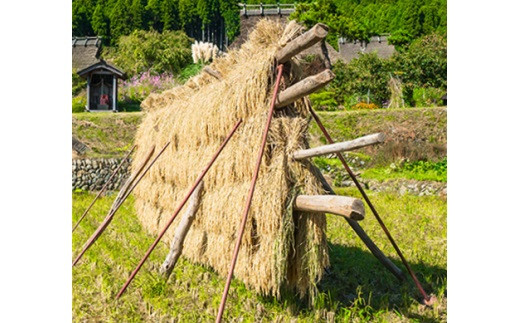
(302, 42)
(212, 72)
(181, 231)
(383, 259)
(303, 88)
(357, 143)
(348, 207)
(121, 196)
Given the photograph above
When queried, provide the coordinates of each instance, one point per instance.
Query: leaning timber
(348, 207)
(121, 196)
(303, 88)
(181, 231)
(301, 43)
(362, 234)
(340, 146)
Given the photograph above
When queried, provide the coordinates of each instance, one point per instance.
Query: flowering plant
(140, 86)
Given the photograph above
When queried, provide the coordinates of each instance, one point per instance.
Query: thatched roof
(85, 51)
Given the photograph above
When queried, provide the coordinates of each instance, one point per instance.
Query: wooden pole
(340, 146)
(87, 108)
(121, 196)
(383, 259)
(302, 42)
(114, 93)
(348, 207)
(104, 187)
(197, 182)
(303, 88)
(250, 195)
(181, 231)
(427, 299)
(212, 72)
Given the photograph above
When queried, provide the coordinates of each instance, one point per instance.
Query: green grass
(421, 132)
(412, 133)
(418, 170)
(107, 134)
(358, 288)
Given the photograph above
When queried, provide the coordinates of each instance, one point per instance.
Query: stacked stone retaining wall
(92, 174)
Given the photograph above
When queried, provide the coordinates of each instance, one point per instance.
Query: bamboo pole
(250, 195)
(197, 182)
(427, 299)
(104, 187)
(121, 197)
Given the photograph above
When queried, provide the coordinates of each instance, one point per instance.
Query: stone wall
(92, 174)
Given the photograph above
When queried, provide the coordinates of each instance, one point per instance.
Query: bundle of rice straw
(281, 248)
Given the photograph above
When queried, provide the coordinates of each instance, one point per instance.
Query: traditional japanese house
(101, 86)
(102, 78)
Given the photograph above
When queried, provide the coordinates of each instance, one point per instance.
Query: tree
(81, 16)
(154, 18)
(100, 21)
(170, 15)
(143, 51)
(120, 20)
(137, 12)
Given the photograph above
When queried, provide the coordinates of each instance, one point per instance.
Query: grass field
(357, 288)
(414, 133)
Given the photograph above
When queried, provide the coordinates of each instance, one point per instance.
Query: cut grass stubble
(357, 287)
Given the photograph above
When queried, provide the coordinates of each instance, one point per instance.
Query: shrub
(189, 71)
(427, 97)
(363, 79)
(78, 83)
(150, 51)
(79, 103)
(136, 89)
(324, 100)
(424, 65)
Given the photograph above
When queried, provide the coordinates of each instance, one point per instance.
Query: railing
(266, 9)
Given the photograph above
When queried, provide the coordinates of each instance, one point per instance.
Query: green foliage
(120, 20)
(82, 11)
(78, 83)
(189, 71)
(364, 79)
(405, 20)
(324, 100)
(100, 20)
(415, 76)
(427, 97)
(424, 64)
(418, 170)
(115, 18)
(79, 103)
(144, 51)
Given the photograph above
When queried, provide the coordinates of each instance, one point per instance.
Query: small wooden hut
(101, 86)
(102, 78)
